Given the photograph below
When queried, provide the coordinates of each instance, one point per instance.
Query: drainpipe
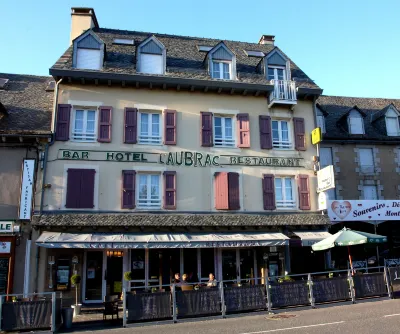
(46, 151)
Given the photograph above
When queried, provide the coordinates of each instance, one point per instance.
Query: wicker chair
(110, 306)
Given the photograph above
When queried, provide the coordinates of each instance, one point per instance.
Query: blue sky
(349, 48)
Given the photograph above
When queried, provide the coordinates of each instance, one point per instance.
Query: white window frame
(376, 192)
(229, 143)
(221, 69)
(85, 110)
(321, 123)
(147, 205)
(280, 144)
(144, 141)
(93, 66)
(285, 204)
(355, 115)
(152, 70)
(276, 68)
(394, 119)
(366, 169)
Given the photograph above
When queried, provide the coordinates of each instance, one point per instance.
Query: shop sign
(322, 199)
(5, 247)
(6, 227)
(181, 158)
(326, 179)
(316, 136)
(25, 203)
(363, 210)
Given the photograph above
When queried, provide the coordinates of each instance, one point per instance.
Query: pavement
(367, 316)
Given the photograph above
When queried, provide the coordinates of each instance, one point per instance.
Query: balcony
(284, 92)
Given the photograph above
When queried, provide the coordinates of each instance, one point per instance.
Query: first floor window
(224, 131)
(150, 128)
(370, 192)
(84, 125)
(149, 193)
(280, 134)
(284, 192)
(80, 188)
(366, 162)
(221, 70)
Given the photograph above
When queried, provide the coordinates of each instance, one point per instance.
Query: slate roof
(336, 109)
(28, 105)
(184, 60)
(179, 219)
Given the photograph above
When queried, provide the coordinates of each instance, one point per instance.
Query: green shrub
(75, 279)
(128, 276)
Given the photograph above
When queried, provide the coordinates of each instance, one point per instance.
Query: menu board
(63, 274)
(4, 265)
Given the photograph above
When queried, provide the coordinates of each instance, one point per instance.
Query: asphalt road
(370, 316)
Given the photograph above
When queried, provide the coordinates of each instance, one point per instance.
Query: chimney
(267, 39)
(82, 19)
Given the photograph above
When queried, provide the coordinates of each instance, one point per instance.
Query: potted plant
(128, 276)
(76, 280)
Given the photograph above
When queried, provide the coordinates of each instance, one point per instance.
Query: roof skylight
(124, 41)
(254, 53)
(204, 48)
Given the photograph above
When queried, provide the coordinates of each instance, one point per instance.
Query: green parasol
(347, 237)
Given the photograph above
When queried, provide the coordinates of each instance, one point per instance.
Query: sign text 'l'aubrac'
(187, 158)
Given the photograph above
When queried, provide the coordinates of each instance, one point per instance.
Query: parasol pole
(350, 260)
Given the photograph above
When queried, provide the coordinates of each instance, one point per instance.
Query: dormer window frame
(268, 64)
(76, 48)
(140, 53)
(355, 114)
(321, 121)
(231, 62)
(392, 115)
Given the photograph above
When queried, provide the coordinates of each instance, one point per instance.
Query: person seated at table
(211, 280)
(184, 279)
(177, 278)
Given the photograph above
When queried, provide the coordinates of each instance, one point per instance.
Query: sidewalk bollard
(174, 315)
(310, 287)
(223, 309)
(124, 307)
(267, 287)
(387, 278)
(53, 312)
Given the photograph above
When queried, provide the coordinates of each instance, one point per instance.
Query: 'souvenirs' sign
(181, 158)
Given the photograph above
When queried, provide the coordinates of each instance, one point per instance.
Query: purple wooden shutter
(170, 190)
(80, 188)
(87, 189)
(265, 132)
(206, 128)
(299, 134)
(170, 127)
(268, 186)
(62, 126)
(128, 189)
(233, 191)
(221, 198)
(130, 130)
(105, 120)
(304, 192)
(243, 130)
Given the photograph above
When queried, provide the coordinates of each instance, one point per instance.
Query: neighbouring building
(25, 118)
(361, 139)
(176, 154)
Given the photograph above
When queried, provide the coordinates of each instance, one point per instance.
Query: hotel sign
(181, 158)
(363, 210)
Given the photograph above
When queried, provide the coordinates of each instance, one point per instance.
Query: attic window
(254, 53)
(321, 120)
(355, 123)
(151, 56)
(50, 86)
(204, 48)
(3, 83)
(392, 123)
(88, 52)
(123, 41)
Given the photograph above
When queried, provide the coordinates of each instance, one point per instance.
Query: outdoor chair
(110, 306)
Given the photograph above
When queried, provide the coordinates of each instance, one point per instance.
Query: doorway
(93, 277)
(230, 270)
(114, 272)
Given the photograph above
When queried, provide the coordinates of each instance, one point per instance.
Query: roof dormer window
(88, 52)
(321, 120)
(392, 123)
(151, 56)
(355, 123)
(222, 63)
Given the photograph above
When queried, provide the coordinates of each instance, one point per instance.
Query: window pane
(155, 124)
(281, 74)
(270, 73)
(142, 186)
(155, 186)
(79, 121)
(216, 71)
(278, 189)
(90, 121)
(275, 131)
(285, 131)
(207, 262)
(144, 123)
(228, 128)
(288, 189)
(217, 127)
(154, 264)
(138, 264)
(226, 71)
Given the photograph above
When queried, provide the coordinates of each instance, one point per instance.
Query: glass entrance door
(230, 270)
(114, 273)
(94, 277)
